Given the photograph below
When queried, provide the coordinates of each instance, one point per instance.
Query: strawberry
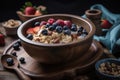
(36, 29)
(30, 31)
(60, 22)
(67, 23)
(105, 24)
(29, 10)
(51, 21)
(2, 40)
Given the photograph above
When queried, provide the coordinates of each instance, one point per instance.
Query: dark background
(8, 8)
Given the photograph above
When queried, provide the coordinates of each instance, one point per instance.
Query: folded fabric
(112, 37)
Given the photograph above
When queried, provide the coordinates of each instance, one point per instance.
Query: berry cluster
(59, 26)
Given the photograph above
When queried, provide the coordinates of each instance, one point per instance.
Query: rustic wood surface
(11, 75)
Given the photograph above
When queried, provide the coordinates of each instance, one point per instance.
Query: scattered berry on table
(16, 46)
(14, 54)
(19, 42)
(22, 60)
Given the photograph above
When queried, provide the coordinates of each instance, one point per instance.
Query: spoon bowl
(15, 66)
(4, 61)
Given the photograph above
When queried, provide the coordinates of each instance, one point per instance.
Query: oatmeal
(12, 23)
(56, 31)
(110, 68)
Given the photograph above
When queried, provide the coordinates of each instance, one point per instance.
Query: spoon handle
(21, 74)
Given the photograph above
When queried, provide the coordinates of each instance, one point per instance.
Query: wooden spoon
(14, 66)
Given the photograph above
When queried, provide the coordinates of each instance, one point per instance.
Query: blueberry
(73, 27)
(80, 29)
(67, 32)
(19, 42)
(85, 32)
(55, 24)
(51, 28)
(22, 60)
(47, 25)
(16, 46)
(65, 27)
(59, 29)
(10, 61)
(44, 32)
(82, 36)
(30, 36)
(14, 54)
(36, 23)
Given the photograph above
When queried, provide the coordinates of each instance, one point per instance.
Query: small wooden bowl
(105, 76)
(57, 53)
(11, 31)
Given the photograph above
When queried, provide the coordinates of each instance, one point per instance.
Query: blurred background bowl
(57, 53)
(104, 76)
(41, 10)
(24, 17)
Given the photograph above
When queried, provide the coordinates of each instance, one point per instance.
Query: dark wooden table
(8, 75)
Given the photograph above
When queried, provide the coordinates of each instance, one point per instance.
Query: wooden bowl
(105, 76)
(57, 53)
(24, 17)
(11, 31)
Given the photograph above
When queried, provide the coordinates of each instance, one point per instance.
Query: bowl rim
(23, 38)
(106, 60)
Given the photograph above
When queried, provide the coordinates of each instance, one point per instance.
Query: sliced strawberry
(30, 31)
(36, 29)
(37, 12)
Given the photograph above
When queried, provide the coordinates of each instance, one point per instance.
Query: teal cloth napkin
(112, 37)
